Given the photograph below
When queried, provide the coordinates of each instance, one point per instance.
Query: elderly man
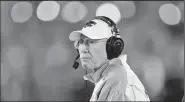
(99, 45)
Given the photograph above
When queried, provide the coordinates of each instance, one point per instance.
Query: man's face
(92, 52)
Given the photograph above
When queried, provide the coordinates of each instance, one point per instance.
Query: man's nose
(83, 48)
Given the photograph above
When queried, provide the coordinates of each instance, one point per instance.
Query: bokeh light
(127, 35)
(159, 39)
(57, 55)
(154, 75)
(13, 93)
(62, 3)
(16, 92)
(170, 14)
(181, 56)
(74, 12)
(181, 7)
(6, 23)
(169, 57)
(127, 8)
(16, 57)
(109, 10)
(48, 10)
(5, 75)
(21, 12)
(135, 60)
(91, 7)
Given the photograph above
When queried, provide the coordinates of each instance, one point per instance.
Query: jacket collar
(97, 75)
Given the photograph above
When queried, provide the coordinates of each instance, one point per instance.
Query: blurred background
(37, 56)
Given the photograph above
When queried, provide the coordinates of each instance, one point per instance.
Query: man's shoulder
(116, 77)
(116, 72)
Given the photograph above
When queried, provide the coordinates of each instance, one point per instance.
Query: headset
(114, 45)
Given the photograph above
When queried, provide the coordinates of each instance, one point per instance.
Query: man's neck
(95, 69)
(96, 75)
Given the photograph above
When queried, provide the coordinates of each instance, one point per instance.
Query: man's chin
(87, 64)
(84, 65)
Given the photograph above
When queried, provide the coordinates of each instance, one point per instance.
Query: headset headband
(110, 23)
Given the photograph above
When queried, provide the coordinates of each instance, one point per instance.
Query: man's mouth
(85, 58)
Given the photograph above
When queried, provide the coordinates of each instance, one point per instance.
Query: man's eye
(80, 41)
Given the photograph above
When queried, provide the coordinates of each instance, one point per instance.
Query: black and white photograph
(92, 51)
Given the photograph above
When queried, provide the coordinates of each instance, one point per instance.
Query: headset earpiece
(114, 47)
(115, 44)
